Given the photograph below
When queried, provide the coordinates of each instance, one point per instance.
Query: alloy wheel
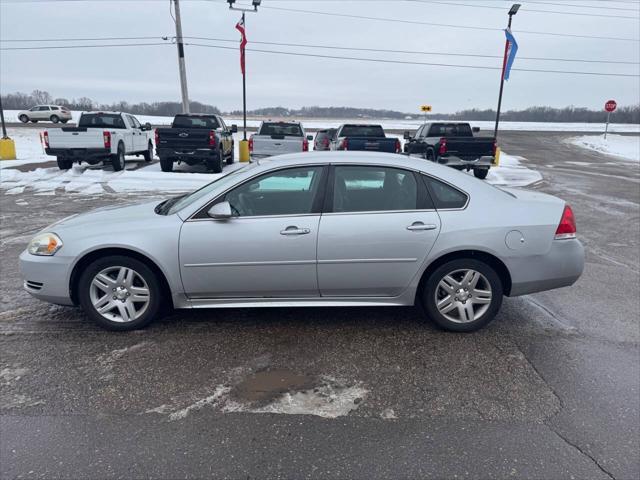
(463, 296)
(119, 294)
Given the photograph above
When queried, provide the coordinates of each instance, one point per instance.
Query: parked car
(453, 144)
(276, 138)
(370, 138)
(49, 113)
(312, 229)
(323, 139)
(194, 139)
(100, 137)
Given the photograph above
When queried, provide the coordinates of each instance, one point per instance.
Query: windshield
(285, 129)
(362, 131)
(173, 205)
(183, 121)
(101, 120)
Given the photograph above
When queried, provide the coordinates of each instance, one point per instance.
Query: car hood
(106, 216)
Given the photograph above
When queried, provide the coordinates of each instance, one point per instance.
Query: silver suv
(47, 113)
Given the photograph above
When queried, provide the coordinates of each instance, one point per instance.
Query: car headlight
(45, 244)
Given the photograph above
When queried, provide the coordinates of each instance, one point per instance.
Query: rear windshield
(362, 131)
(101, 120)
(286, 129)
(210, 123)
(325, 134)
(451, 130)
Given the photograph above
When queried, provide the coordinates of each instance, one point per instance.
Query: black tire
(215, 163)
(64, 121)
(34, 121)
(455, 269)
(64, 163)
(143, 272)
(166, 164)
(54, 118)
(230, 158)
(480, 173)
(23, 118)
(148, 155)
(117, 160)
(428, 155)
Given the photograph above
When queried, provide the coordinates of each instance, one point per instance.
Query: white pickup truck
(276, 138)
(100, 137)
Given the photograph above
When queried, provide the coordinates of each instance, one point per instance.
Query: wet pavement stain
(264, 386)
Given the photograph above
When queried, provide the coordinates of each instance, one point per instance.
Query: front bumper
(561, 266)
(47, 278)
(454, 161)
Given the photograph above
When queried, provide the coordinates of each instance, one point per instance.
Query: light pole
(181, 64)
(244, 146)
(512, 11)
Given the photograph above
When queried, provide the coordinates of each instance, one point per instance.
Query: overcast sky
(149, 73)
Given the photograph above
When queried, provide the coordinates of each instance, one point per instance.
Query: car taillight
(106, 137)
(398, 146)
(156, 137)
(567, 226)
(325, 142)
(251, 143)
(344, 144)
(305, 145)
(45, 139)
(212, 138)
(443, 146)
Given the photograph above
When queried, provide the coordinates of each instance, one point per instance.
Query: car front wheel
(462, 295)
(119, 293)
(23, 118)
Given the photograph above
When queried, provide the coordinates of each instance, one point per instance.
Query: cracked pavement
(549, 390)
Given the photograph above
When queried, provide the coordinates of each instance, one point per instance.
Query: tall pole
(244, 89)
(4, 127)
(504, 65)
(181, 64)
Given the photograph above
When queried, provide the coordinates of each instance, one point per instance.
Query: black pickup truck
(370, 138)
(453, 144)
(194, 139)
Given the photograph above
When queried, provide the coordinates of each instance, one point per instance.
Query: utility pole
(244, 94)
(181, 64)
(512, 12)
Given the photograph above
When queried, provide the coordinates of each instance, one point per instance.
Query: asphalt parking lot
(551, 389)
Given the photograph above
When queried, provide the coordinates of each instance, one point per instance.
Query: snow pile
(511, 173)
(623, 146)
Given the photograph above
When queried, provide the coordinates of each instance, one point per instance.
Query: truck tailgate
(372, 144)
(276, 144)
(470, 148)
(76, 138)
(183, 139)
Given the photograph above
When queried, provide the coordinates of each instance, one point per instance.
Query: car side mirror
(407, 135)
(234, 128)
(146, 126)
(310, 138)
(475, 129)
(220, 211)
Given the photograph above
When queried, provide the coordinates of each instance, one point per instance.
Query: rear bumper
(560, 267)
(454, 161)
(46, 278)
(79, 153)
(186, 154)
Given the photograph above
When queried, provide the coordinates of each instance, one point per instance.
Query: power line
(328, 47)
(467, 27)
(403, 62)
(85, 46)
(608, 7)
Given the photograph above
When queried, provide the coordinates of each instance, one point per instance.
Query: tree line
(626, 114)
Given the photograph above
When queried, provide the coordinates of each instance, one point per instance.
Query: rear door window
(362, 131)
(183, 121)
(101, 120)
(445, 196)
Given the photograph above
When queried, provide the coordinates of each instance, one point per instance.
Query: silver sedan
(313, 229)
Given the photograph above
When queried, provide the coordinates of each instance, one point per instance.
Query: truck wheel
(23, 118)
(480, 173)
(148, 155)
(34, 121)
(429, 155)
(166, 164)
(54, 118)
(64, 163)
(230, 157)
(215, 163)
(117, 160)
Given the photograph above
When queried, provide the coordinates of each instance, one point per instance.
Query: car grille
(31, 285)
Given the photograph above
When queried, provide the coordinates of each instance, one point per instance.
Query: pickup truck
(370, 138)
(277, 138)
(453, 144)
(99, 137)
(194, 139)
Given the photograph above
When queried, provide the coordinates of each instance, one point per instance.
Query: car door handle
(422, 226)
(293, 230)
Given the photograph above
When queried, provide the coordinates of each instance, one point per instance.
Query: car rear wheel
(64, 163)
(34, 121)
(117, 160)
(148, 155)
(120, 293)
(54, 118)
(23, 118)
(64, 121)
(462, 295)
(481, 173)
(166, 164)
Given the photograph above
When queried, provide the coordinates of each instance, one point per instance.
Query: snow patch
(218, 394)
(511, 173)
(623, 146)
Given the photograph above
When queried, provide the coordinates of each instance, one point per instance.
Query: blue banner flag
(512, 49)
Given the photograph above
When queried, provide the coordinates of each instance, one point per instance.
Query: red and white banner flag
(243, 42)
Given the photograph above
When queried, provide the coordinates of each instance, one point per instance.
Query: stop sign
(610, 106)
